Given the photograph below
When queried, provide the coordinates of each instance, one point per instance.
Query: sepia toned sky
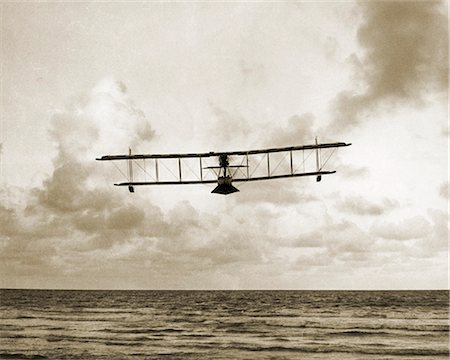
(81, 80)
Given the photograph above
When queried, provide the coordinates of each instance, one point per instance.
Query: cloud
(361, 206)
(444, 190)
(73, 203)
(103, 121)
(76, 223)
(438, 239)
(227, 127)
(9, 223)
(76, 226)
(318, 258)
(299, 130)
(284, 192)
(407, 229)
(352, 171)
(252, 73)
(405, 57)
(336, 236)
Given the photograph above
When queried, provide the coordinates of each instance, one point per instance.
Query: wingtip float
(225, 173)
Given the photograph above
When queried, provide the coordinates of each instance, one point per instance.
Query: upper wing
(211, 154)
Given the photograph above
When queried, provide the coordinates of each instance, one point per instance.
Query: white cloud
(407, 229)
(359, 205)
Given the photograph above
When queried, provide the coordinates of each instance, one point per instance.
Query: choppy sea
(60, 324)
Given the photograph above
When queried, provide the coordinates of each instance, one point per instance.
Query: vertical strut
(201, 169)
(268, 165)
(130, 167)
(290, 160)
(319, 177)
(179, 167)
(130, 172)
(156, 170)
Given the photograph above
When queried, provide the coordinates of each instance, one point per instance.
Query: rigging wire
(124, 175)
(259, 163)
(143, 169)
(304, 161)
(279, 163)
(238, 168)
(175, 176)
(328, 159)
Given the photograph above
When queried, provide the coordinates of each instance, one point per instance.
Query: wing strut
(319, 177)
(130, 172)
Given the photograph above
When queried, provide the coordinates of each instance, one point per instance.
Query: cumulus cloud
(444, 190)
(438, 239)
(299, 130)
(359, 205)
(76, 223)
(274, 192)
(103, 121)
(228, 127)
(73, 207)
(9, 223)
(337, 237)
(77, 226)
(405, 57)
(335, 247)
(407, 229)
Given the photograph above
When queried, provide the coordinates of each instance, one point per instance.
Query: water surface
(60, 324)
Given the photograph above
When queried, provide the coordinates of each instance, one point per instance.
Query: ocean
(78, 324)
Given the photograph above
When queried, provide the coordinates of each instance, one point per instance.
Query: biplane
(226, 168)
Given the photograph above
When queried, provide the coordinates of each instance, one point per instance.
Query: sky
(85, 79)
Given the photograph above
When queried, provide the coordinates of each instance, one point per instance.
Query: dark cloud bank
(405, 58)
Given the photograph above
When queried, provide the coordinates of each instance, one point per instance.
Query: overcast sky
(81, 80)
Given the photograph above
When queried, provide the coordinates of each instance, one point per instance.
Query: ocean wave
(141, 331)
(17, 336)
(11, 327)
(98, 339)
(196, 336)
(8, 356)
(119, 343)
(367, 327)
(62, 318)
(339, 349)
(23, 317)
(361, 333)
